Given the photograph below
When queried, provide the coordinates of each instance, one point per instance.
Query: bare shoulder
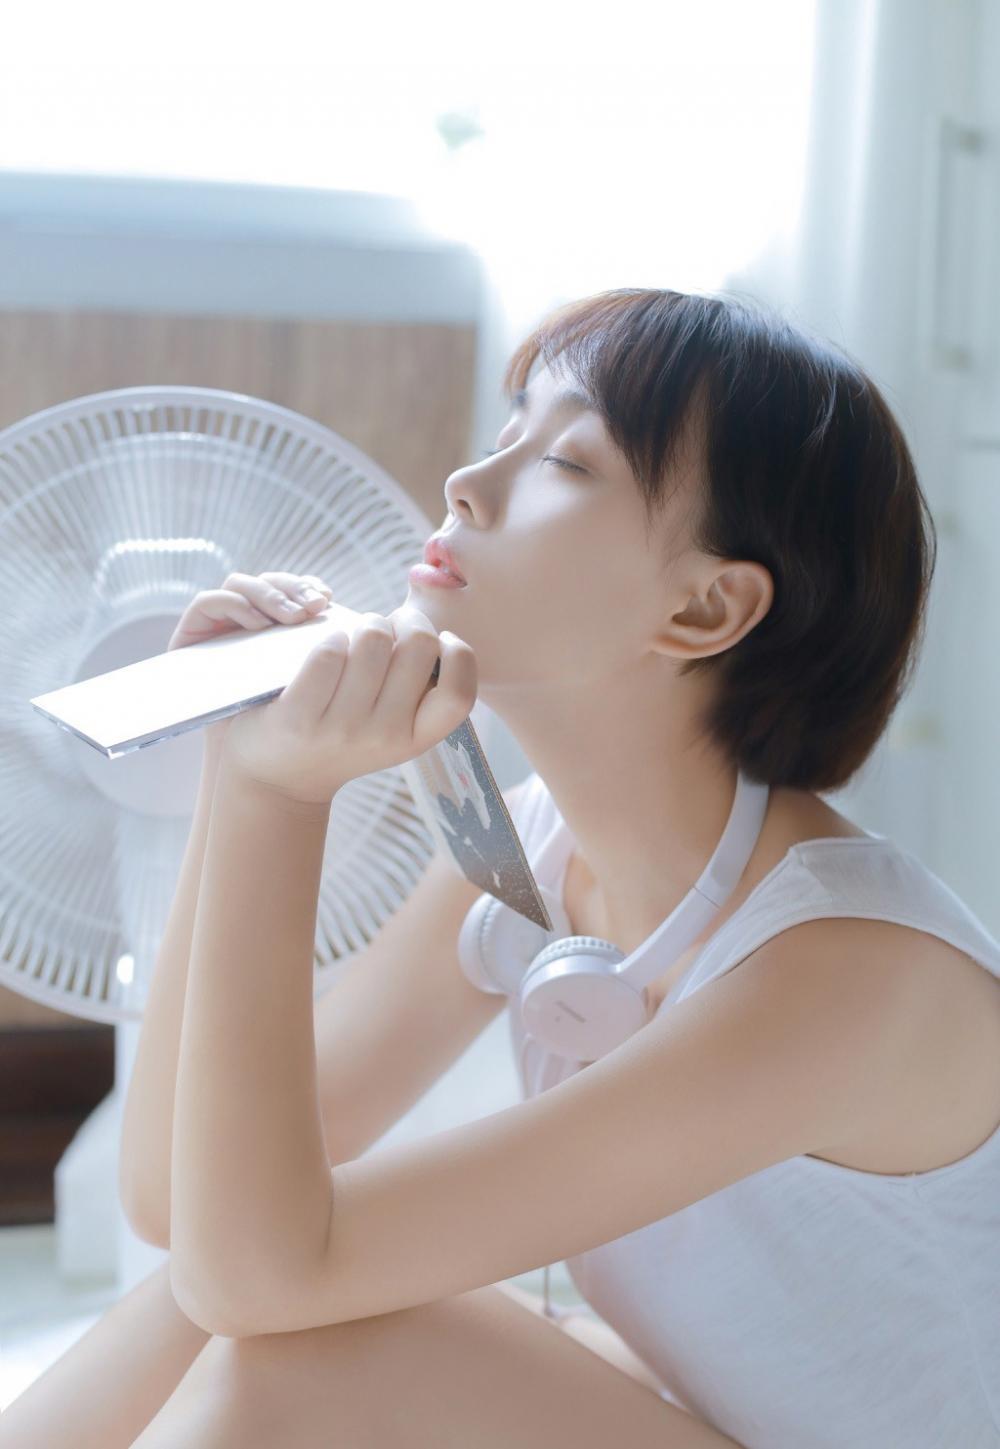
(929, 1063)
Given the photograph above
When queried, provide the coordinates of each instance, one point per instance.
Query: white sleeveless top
(810, 1305)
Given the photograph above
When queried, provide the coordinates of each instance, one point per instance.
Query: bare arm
(249, 602)
(250, 1176)
(148, 1118)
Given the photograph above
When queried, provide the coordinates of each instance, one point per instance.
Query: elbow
(202, 1308)
(144, 1218)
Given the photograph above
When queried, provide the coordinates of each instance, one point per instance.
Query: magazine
(136, 706)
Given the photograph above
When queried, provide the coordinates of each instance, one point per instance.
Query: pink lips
(435, 577)
(437, 554)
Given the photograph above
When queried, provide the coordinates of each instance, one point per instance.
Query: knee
(212, 1407)
(263, 1367)
(256, 1365)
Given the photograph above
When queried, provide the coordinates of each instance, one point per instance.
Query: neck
(645, 799)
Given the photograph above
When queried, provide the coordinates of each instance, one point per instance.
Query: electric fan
(115, 509)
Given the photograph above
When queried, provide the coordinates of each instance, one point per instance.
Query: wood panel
(402, 392)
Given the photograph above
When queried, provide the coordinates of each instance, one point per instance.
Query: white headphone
(580, 996)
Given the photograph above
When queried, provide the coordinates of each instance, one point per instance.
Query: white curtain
(883, 263)
(877, 257)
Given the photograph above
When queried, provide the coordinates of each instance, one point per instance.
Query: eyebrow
(569, 397)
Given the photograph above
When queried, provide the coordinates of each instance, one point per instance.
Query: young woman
(698, 552)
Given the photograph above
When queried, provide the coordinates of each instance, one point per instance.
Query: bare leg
(107, 1386)
(478, 1368)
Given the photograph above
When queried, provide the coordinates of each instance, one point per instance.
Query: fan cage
(123, 504)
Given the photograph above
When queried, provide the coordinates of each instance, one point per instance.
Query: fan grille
(121, 506)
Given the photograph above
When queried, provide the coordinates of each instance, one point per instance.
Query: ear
(719, 610)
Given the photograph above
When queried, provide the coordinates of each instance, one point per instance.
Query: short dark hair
(807, 472)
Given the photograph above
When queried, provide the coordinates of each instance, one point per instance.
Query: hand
(246, 601)
(357, 704)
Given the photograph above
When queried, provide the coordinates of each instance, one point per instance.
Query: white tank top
(810, 1305)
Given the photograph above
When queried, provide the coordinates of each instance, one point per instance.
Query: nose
(458, 495)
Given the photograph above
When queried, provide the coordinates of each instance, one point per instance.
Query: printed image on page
(455, 791)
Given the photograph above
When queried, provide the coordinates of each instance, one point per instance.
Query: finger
(450, 702)
(306, 588)
(371, 652)
(311, 688)
(407, 614)
(310, 581)
(270, 598)
(221, 609)
(409, 675)
(284, 577)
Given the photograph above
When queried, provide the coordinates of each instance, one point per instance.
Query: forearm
(147, 1123)
(251, 1180)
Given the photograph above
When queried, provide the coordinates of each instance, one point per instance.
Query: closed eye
(548, 458)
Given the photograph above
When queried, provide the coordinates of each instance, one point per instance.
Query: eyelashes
(548, 458)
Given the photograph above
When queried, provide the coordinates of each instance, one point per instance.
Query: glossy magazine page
(167, 694)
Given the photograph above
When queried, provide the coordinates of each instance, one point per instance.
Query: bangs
(639, 356)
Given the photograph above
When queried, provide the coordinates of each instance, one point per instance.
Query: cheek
(572, 581)
(585, 614)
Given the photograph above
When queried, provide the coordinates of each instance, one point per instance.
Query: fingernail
(312, 594)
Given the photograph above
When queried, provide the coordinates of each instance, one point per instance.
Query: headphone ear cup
(470, 958)
(496, 944)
